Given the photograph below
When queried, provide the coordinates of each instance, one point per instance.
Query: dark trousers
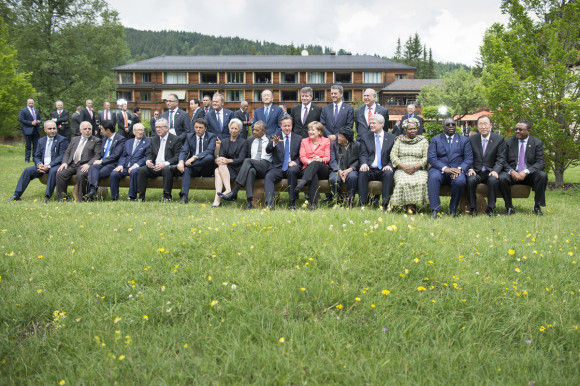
(351, 183)
(65, 175)
(145, 173)
(98, 172)
(31, 143)
(492, 188)
(434, 182)
(273, 176)
(313, 173)
(116, 178)
(31, 173)
(385, 176)
(200, 168)
(537, 180)
(250, 170)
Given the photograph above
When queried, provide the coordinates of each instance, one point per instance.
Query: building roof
(264, 62)
(410, 84)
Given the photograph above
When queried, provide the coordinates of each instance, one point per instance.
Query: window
(373, 77)
(145, 96)
(236, 77)
(401, 100)
(347, 95)
(208, 77)
(262, 77)
(257, 95)
(315, 77)
(146, 77)
(289, 77)
(234, 95)
(343, 77)
(127, 95)
(125, 78)
(318, 96)
(145, 115)
(203, 93)
(400, 76)
(176, 78)
(289, 96)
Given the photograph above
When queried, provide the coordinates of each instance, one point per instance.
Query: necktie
(206, 109)
(378, 149)
(33, 114)
(266, 112)
(79, 152)
(370, 113)
(125, 118)
(161, 155)
(305, 115)
(199, 146)
(91, 114)
(59, 112)
(259, 152)
(450, 140)
(335, 113)
(48, 152)
(135, 145)
(522, 157)
(286, 154)
(484, 148)
(170, 119)
(107, 147)
(106, 115)
(219, 119)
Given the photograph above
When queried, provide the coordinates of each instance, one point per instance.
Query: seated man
(450, 155)
(375, 161)
(163, 152)
(255, 165)
(134, 153)
(524, 164)
(47, 158)
(111, 149)
(78, 157)
(285, 150)
(347, 152)
(197, 157)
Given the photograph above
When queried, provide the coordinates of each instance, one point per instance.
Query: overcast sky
(452, 28)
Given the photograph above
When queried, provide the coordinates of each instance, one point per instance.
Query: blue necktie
(286, 154)
(335, 113)
(107, 146)
(266, 112)
(219, 121)
(378, 149)
(450, 139)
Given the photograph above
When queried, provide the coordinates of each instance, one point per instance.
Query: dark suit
(91, 153)
(103, 170)
(297, 113)
(347, 158)
(275, 172)
(406, 116)
(101, 117)
(204, 165)
(31, 133)
(535, 164)
(86, 116)
(367, 156)
(213, 126)
(152, 124)
(76, 123)
(180, 122)
(243, 116)
(273, 122)
(199, 113)
(440, 156)
(62, 123)
(345, 118)
(172, 149)
(120, 119)
(252, 169)
(361, 116)
(127, 160)
(59, 144)
(493, 160)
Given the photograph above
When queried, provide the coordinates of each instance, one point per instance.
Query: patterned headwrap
(411, 121)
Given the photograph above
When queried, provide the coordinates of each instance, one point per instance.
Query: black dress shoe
(510, 211)
(229, 197)
(538, 211)
(46, 200)
(434, 214)
(184, 200)
(166, 199)
(489, 212)
(473, 212)
(292, 206)
(132, 199)
(90, 195)
(14, 198)
(249, 205)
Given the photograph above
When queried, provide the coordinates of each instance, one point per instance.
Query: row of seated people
(400, 163)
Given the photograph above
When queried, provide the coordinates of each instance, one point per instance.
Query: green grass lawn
(140, 293)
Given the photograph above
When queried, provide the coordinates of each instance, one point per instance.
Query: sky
(453, 29)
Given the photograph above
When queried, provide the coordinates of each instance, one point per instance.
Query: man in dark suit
(375, 161)
(218, 118)
(285, 150)
(196, 111)
(47, 158)
(125, 121)
(178, 120)
(163, 152)
(197, 157)
(344, 164)
(88, 115)
(107, 115)
(450, 155)
(111, 150)
(524, 164)
(152, 123)
(61, 118)
(411, 114)
(305, 112)
(30, 121)
(337, 114)
(363, 113)
(78, 157)
(206, 103)
(269, 113)
(134, 153)
(243, 115)
(76, 121)
(488, 159)
(256, 165)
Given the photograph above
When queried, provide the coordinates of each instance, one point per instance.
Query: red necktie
(370, 113)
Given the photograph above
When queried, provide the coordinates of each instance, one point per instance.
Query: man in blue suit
(112, 150)
(197, 157)
(337, 114)
(269, 113)
(30, 120)
(218, 118)
(47, 158)
(363, 113)
(131, 160)
(450, 156)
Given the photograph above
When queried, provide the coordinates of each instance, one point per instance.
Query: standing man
(134, 153)
(450, 155)
(206, 104)
(196, 111)
(88, 115)
(178, 120)
(285, 150)
(218, 118)
(61, 118)
(243, 115)
(488, 160)
(80, 154)
(107, 114)
(269, 113)
(30, 121)
(411, 114)
(305, 112)
(375, 161)
(152, 122)
(76, 121)
(524, 164)
(363, 113)
(337, 114)
(125, 122)
(47, 158)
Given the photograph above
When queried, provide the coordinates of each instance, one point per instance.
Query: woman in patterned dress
(409, 157)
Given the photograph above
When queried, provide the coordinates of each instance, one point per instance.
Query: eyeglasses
(450, 125)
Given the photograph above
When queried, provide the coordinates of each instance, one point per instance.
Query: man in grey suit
(107, 114)
(337, 114)
(243, 115)
(305, 112)
(363, 113)
(179, 120)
